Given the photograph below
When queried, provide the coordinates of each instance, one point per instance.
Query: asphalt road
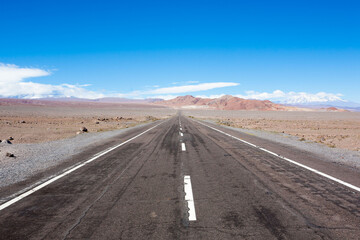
(137, 191)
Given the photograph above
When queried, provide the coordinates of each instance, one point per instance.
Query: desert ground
(334, 129)
(36, 123)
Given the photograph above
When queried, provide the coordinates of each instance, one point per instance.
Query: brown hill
(334, 109)
(226, 102)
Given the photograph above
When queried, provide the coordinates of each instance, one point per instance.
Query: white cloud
(13, 84)
(286, 97)
(12, 73)
(191, 88)
(292, 97)
(165, 97)
(211, 96)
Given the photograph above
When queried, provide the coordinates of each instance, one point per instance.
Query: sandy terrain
(34, 124)
(334, 129)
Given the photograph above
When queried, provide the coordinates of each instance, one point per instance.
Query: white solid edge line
(77, 166)
(289, 160)
(189, 198)
(183, 148)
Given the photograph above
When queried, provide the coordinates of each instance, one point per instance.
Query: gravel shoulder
(33, 158)
(340, 156)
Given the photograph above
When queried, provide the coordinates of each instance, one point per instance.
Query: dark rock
(83, 129)
(5, 141)
(10, 155)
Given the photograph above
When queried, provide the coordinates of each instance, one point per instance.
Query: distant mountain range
(103, 100)
(121, 102)
(351, 106)
(226, 102)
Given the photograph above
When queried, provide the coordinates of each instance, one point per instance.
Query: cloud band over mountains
(13, 84)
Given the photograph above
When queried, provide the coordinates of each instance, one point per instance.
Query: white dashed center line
(183, 148)
(189, 198)
(180, 129)
(181, 134)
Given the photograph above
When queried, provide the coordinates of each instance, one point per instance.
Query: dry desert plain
(39, 123)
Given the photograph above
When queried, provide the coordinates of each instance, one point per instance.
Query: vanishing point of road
(186, 179)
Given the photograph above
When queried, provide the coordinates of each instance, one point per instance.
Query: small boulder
(10, 154)
(226, 123)
(97, 122)
(103, 119)
(10, 138)
(151, 118)
(5, 141)
(83, 129)
(23, 121)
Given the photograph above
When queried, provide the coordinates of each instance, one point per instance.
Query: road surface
(184, 180)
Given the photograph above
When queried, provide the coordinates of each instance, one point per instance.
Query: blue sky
(290, 51)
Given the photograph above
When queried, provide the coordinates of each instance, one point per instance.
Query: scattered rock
(97, 122)
(226, 123)
(153, 215)
(151, 118)
(23, 121)
(103, 119)
(5, 141)
(83, 129)
(10, 154)
(10, 138)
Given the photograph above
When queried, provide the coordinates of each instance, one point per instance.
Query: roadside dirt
(336, 130)
(35, 124)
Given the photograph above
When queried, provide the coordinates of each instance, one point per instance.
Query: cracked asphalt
(137, 192)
